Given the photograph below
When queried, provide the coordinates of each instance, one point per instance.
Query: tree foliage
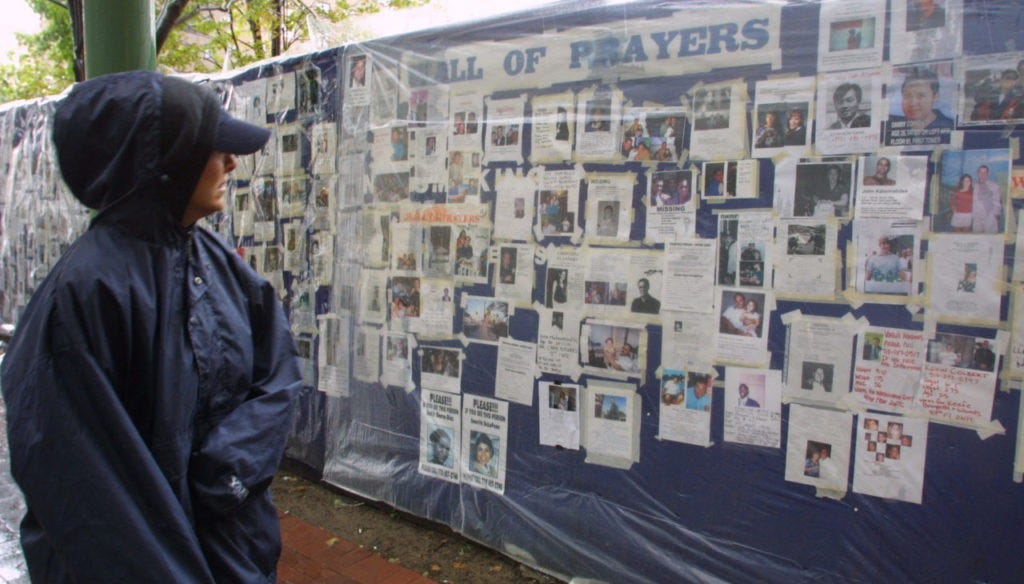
(46, 65)
(192, 37)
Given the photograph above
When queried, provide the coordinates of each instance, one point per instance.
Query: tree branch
(277, 31)
(75, 8)
(231, 27)
(168, 20)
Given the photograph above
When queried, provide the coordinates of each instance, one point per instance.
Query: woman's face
(208, 197)
(483, 453)
(966, 183)
(751, 306)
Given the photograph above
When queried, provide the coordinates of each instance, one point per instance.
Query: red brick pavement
(314, 556)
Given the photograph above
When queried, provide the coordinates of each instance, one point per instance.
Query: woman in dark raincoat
(151, 381)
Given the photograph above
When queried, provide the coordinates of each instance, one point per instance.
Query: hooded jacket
(150, 384)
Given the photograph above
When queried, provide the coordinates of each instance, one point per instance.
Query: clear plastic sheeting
(38, 216)
(645, 292)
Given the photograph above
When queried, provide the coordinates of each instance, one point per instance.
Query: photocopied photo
(922, 106)
(513, 203)
(1015, 354)
(280, 97)
(467, 122)
(783, 114)
(611, 423)
(558, 342)
(925, 30)
(484, 442)
(805, 252)
(753, 407)
(440, 435)
(849, 110)
(513, 274)
(818, 359)
(781, 124)
(991, 89)
(850, 35)
(823, 189)
(614, 350)
(670, 187)
(397, 369)
(558, 198)
(609, 206)
(441, 369)
(818, 447)
(554, 126)
(516, 370)
(891, 187)
(886, 257)
(959, 379)
(685, 408)
(503, 141)
(687, 285)
(598, 122)
(744, 248)
(658, 130)
(888, 367)
(719, 130)
(358, 67)
(743, 326)
(484, 319)
(334, 375)
(559, 414)
(965, 278)
(973, 186)
(889, 457)
(670, 206)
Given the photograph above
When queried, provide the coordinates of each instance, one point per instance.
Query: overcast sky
(18, 17)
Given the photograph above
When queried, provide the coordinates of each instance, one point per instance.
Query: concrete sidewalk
(310, 556)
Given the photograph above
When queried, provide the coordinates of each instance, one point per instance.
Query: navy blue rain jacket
(151, 381)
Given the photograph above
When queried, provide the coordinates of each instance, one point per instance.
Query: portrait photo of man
(925, 14)
(872, 347)
(644, 302)
(847, 99)
(881, 176)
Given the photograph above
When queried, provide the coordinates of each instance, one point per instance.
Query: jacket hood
(133, 146)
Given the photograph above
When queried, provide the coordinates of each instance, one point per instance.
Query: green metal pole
(119, 36)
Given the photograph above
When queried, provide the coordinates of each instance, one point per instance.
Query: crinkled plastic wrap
(394, 172)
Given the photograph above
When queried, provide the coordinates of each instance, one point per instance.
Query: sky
(18, 17)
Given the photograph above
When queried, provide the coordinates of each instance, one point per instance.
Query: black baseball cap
(237, 137)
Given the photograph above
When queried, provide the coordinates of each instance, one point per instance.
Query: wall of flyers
(734, 282)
